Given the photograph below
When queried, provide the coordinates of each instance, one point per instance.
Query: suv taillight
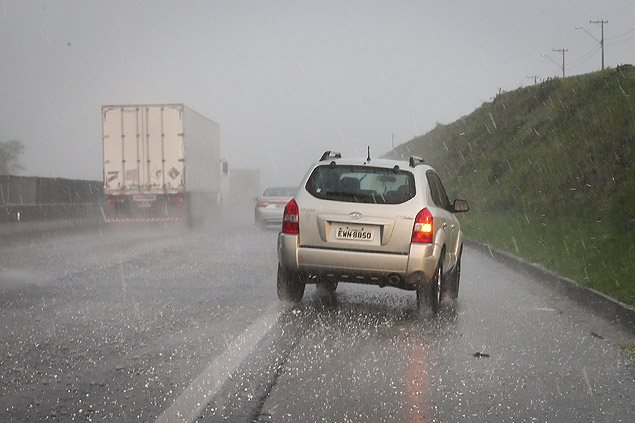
(290, 219)
(422, 231)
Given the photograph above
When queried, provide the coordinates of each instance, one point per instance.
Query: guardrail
(27, 199)
(36, 190)
(39, 212)
(25, 220)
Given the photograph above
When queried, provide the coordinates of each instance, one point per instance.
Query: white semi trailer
(161, 163)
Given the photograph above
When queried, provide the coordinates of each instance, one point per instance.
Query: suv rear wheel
(455, 278)
(290, 288)
(429, 294)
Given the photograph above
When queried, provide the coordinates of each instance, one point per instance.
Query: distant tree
(10, 151)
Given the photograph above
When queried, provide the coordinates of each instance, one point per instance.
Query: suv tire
(455, 279)
(289, 286)
(429, 294)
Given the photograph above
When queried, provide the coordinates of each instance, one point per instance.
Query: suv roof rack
(329, 154)
(415, 161)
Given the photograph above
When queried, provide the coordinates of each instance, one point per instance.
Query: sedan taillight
(422, 231)
(290, 218)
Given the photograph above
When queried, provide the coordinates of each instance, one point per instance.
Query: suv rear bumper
(375, 268)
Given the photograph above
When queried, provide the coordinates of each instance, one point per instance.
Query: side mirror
(225, 167)
(460, 206)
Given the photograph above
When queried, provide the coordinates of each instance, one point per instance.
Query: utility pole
(563, 51)
(534, 77)
(601, 22)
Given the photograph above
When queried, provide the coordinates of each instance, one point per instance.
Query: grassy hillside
(550, 175)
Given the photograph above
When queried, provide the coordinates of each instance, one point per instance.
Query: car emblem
(356, 215)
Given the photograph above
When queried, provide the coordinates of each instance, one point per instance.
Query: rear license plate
(144, 198)
(143, 205)
(354, 233)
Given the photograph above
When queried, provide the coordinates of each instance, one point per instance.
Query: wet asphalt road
(168, 324)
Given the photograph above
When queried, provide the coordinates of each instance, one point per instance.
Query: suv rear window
(361, 184)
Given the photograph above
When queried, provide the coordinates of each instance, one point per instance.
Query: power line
(620, 10)
(622, 41)
(549, 57)
(584, 58)
(621, 35)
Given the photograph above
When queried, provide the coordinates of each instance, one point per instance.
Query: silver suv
(377, 222)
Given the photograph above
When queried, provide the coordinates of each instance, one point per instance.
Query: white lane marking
(190, 404)
(585, 375)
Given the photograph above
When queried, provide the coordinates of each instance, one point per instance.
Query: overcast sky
(285, 80)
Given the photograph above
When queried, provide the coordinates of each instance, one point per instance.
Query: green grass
(549, 171)
(629, 349)
(580, 250)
